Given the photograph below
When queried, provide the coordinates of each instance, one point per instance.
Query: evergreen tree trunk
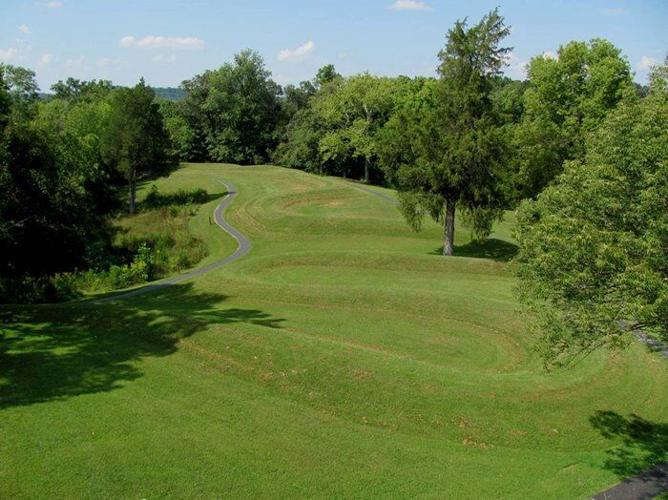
(366, 171)
(132, 192)
(449, 236)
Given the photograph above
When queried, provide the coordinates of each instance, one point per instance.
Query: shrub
(154, 199)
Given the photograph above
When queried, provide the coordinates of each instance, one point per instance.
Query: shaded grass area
(643, 443)
(492, 248)
(339, 358)
(60, 352)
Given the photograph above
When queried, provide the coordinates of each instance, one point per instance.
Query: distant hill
(170, 93)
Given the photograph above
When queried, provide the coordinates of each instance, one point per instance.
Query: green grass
(342, 357)
(166, 231)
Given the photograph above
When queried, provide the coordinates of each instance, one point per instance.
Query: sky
(168, 41)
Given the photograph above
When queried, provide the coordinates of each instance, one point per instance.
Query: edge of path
(243, 247)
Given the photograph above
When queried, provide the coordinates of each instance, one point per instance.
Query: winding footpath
(643, 486)
(243, 247)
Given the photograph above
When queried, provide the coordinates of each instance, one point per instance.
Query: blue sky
(167, 41)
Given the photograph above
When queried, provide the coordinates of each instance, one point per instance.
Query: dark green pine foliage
(455, 148)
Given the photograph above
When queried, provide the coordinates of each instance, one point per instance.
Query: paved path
(380, 194)
(243, 248)
(647, 485)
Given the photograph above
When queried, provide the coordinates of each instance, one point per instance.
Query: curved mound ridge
(342, 356)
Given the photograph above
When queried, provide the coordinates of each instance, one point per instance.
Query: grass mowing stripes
(341, 357)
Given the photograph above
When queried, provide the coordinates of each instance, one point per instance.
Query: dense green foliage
(234, 110)
(62, 163)
(54, 188)
(594, 246)
(567, 98)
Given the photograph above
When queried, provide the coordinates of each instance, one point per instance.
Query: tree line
(577, 148)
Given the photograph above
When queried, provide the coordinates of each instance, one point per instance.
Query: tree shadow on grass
(494, 249)
(56, 352)
(642, 444)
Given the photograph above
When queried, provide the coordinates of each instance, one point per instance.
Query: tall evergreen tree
(455, 155)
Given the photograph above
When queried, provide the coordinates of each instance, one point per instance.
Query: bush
(154, 199)
(35, 290)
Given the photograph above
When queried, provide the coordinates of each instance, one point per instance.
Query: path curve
(384, 196)
(243, 247)
(647, 485)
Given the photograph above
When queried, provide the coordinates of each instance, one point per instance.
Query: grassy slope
(341, 357)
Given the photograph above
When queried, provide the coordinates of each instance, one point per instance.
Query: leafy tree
(183, 138)
(300, 147)
(296, 98)
(567, 98)
(326, 74)
(593, 258)
(354, 114)
(20, 83)
(300, 144)
(235, 109)
(82, 122)
(22, 89)
(5, 101)
(47, 170)
(73, 89)
(136, 141)
(452, 145)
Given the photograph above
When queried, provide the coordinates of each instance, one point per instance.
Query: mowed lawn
(343, 357)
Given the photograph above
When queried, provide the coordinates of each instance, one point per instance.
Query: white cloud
(515, 67)
(548, 54)
(74, 62)
(409, 5)
(282, 79)
(161, 42)
(646, 63)
(45, 59)
(54, 4)
(162, 58)
(8, 54)
(24, 29)
(297, 54)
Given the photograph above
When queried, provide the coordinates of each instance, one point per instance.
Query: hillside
(341, 357)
